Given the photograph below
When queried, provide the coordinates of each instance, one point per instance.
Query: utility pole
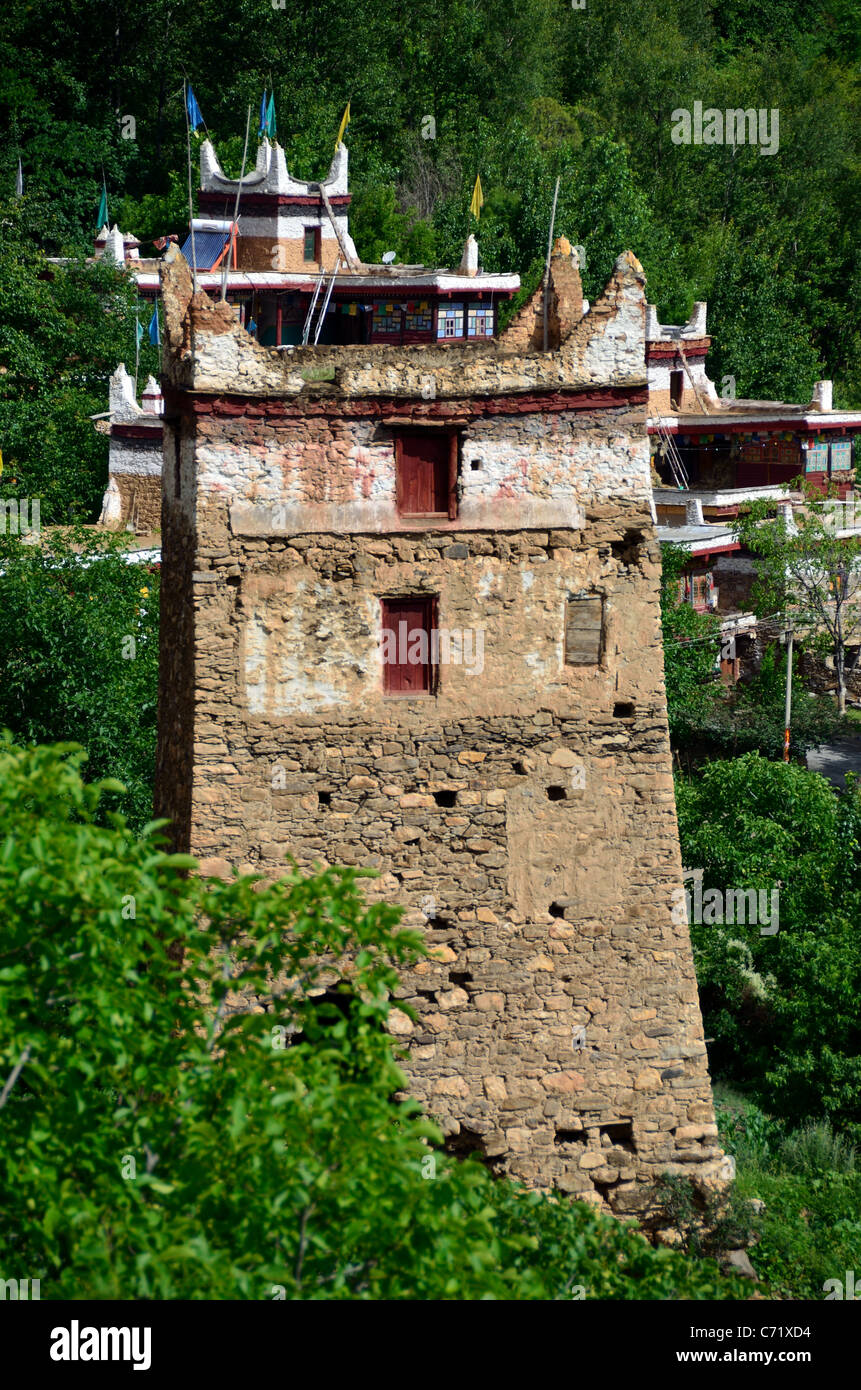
(788, 710)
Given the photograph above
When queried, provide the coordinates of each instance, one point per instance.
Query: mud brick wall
(141, 499)
(523, 813)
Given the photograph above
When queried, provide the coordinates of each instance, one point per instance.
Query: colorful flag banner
(345, 121)
(195, 117)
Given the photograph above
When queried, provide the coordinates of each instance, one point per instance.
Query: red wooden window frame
(419, 613)
(432, 490)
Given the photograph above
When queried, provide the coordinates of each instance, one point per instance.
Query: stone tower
(411, 621)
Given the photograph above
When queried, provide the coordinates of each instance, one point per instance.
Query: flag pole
(190, 201)
(236, 207)
(549, 254)
(137, 346)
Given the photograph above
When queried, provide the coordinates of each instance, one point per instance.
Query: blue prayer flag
(271, 127)
(154, 335)
(262, 129)
(194, 116)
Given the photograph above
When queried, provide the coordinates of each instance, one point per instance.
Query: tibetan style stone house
(411, 621)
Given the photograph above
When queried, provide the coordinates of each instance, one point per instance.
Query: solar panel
(208, 246)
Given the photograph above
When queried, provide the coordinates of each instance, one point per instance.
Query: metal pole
(788, 709)
(549, 252)
(190, 199)
(137, 348)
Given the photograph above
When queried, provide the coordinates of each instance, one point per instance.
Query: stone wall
(521, 811)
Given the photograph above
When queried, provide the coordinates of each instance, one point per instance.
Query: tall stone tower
(411, 621)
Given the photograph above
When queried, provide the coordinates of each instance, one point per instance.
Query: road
(835, 759)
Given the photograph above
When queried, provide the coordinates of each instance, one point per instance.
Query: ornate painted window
(419, 317)
(449, 321)
(387, 318)
(817, 459)
(479, 321)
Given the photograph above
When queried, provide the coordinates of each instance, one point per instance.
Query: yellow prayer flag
(345, 121)
(477, 198)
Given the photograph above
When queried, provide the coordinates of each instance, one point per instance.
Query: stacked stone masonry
(521, 810)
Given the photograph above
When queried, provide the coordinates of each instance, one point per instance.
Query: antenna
(236, 208)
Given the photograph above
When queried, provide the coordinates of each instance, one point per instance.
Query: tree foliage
(79, 655)
(518, 92)
(198, 1090)
(782, 1007)
(63, 330)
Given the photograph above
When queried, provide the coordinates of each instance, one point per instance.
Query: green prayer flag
(102, 218)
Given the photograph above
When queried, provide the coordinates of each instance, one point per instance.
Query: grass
(809, 1180)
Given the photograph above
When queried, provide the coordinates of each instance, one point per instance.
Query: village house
(288, 265)
(713, 454)
(336, 520)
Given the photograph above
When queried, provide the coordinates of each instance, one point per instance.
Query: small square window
(312, 244)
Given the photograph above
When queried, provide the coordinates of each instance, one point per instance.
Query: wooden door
(424, 468)
(407, 666)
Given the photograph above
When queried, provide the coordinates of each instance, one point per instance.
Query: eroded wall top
(207, 350)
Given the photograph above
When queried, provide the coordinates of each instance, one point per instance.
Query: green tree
(79, 655)
(781, 1005)
(692, 645)
(198, 1090)
(63, 330)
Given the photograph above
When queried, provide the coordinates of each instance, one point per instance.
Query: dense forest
(444, 89)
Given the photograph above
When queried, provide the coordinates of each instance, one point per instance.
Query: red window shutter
(407, 645)
(424, 467)
(452, 477)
